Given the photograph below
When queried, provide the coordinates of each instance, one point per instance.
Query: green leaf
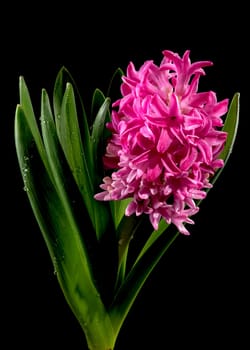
(118, 209)
(231, 127)
(59, 228)
(68, 132)
(98, 99)
(62, 79)
(125, 232)
(25, 102)
(152, 238)
(97, 137)
(115, 83)
(102, 213)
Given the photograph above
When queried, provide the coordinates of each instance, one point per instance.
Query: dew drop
(120, 242)
(55, 265)
(26, 189)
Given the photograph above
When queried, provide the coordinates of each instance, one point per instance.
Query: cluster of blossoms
(166, 140)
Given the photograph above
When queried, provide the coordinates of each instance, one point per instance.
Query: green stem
(136, 278)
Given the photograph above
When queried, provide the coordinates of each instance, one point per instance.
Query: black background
(197, 295)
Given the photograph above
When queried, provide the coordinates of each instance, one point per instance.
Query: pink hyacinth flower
(166, 140)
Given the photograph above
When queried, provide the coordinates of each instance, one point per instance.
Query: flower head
(166, 140)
